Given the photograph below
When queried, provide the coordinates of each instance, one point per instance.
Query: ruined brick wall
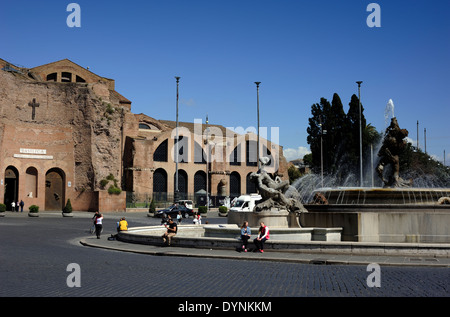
(77, 125)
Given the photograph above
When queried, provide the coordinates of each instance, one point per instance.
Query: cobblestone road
(35, 253)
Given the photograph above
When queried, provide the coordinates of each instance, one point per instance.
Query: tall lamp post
(321, 149)
(207, 165)
(360, 134)
(176, 192)
(257, 104)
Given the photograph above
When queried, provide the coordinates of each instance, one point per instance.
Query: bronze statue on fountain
(393, 145)
(275, 193)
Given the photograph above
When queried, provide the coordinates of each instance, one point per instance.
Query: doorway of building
(11, 186)
(54, 189)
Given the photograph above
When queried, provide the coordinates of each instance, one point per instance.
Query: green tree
(307, 159)
(293, 173)
(318, 123)
(353, 129)
(339, 133)
(336, 133)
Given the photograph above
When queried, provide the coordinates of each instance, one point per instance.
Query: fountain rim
(382, 189)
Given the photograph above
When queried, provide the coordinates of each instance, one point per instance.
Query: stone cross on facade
(33, 104)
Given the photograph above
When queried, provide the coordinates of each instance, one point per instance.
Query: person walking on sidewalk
(263, 236)
(98, 224)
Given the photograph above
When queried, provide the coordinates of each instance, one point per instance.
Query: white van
(188, 203)
(246, 202)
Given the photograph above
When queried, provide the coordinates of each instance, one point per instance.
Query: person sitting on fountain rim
(171, 232)
(245, 235)
(263, 236)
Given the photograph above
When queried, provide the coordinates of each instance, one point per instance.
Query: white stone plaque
(30, 156)
(33, 151)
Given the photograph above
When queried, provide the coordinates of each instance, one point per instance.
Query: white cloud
(293, 154)
(409, 140)
(188, 102)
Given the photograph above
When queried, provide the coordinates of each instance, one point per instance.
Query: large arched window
(183, 149)
(199, 154)
(235, 156)
(11, 186)
(182, 183)
(160, 155)
(251, 186)
(160, 181)
(266, 153)
(52, 77)
(199, 181)
(31, 182)
(147, 126)
(251, 153)
(66, 77)
(55, 189)
(235, 184)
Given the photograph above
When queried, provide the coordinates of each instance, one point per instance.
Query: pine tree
(317, 124)
(336, 132)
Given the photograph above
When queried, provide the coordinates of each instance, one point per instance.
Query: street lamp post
(321, 149)
(360, 134)
(207, 165)
(257, 104)
(176, 192)
(425, 138)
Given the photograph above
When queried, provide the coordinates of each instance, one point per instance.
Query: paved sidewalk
(269, 255)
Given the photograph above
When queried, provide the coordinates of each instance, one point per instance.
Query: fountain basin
(384, 196)
(383, 214)
(271, 218)
(228, 236)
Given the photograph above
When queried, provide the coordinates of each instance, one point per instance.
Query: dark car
(173, 212)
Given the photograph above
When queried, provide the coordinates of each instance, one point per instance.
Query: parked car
(172, 211)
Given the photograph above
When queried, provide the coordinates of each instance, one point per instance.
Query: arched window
(251, 186)
(266, 153)
(147, 126)
(182, 183)
(31, 182)
(183, 149)
(199, 181)
(251, 152)
(55, 181)
(160, 181)
(160, 155)
(66, 77)
(144, 126)
(11, 186)
(235, 156)
(235, 184)
(199, 154)
(52, 77)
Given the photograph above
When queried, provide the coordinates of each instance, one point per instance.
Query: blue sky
(299, 50)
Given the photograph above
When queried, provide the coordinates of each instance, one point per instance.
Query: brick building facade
(65, 133)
